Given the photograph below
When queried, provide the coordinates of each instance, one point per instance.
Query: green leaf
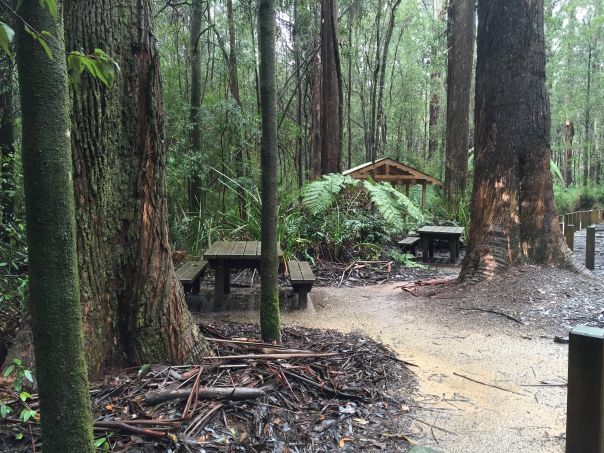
(18, 362)
(44, 44)
(28, 376)
(9, 370)
(19, 436)
(24, 396)
(6, 37)
(5, 410)
(99, 442)
(51, 5)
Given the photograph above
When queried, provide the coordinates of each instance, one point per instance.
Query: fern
(392, 204)
(318, 196)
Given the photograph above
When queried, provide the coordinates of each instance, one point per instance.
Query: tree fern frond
(320, 195)
(392, 204)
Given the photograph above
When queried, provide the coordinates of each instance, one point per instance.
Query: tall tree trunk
(7, 137)
(269, 272)
(133, 303)
(434, 104)
(374, 85)
(316, 130)
(299, 99)
(234, 86)
(459, 84)
(349, 92)
(331, 90)
(56, 315)
(195, 185)
(514, 220)
(586, 145)
(569, 133)
(380, 128)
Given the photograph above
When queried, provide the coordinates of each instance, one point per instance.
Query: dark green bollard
(585, 411)
(590, 248)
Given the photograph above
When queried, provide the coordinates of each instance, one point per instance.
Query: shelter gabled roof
(387, 169)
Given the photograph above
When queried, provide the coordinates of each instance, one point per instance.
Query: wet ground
(491, 378)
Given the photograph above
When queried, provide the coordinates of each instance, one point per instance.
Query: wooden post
(567, 220)
(407, 189)
(562, 227)
(590, 248)
(585, 400)
(423, 195)
(570, 236)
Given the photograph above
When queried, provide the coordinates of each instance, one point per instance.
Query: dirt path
(455, 414)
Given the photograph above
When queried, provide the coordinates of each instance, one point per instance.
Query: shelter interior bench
(190, 274)
(302, 279)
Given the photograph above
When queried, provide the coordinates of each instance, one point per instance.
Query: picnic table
(427, 235)
(222, 256)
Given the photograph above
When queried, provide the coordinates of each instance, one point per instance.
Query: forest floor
(491, 375)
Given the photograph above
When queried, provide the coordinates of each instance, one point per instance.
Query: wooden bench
(409, 243)
(190, 274)
(302, 279)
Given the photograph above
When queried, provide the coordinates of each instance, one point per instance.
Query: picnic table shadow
(240, 299)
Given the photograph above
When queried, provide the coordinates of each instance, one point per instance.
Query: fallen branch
(295, 355)
(119, 426)
(411, 287)
(207, 393)
(487, 384)
(495, 312)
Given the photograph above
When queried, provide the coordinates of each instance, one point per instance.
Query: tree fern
(392, 204)
(320, 195)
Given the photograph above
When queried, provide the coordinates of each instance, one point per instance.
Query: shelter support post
(423, 195)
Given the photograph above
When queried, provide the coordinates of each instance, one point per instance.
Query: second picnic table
(427, 235)
(222, 256)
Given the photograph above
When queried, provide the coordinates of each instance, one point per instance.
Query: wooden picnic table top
(248, 250)
(444, 230)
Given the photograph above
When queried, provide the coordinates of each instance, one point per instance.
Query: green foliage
(99, 65)
(6, 38)
(320, 195)
(578, 198)
(394, 206)
(405, 259)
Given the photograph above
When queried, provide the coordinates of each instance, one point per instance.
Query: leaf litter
(318, 391)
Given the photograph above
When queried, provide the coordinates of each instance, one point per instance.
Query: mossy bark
(49, 204)
(270, 321)
(7, 131)
(133, 304)
(514, 220)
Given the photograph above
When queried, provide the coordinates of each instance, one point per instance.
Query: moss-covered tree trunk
(7, 131)
(133, 304)
(513, 216)
(49, 205)
(269, 305)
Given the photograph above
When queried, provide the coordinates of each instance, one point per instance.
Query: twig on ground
(487, 384)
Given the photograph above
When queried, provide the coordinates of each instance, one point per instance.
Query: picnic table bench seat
(409, 243)
(302, 279)
(190, 274)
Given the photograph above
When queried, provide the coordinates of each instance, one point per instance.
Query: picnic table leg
(195, 287)
(453, 250)
(425, 248)
(302, 297)
(431, 242)
(227, 280)
(219, 284)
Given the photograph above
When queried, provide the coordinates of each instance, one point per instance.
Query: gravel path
(491, 377)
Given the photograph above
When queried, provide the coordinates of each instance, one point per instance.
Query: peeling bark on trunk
(459, 83)
(133, 304)
(331, 90)
(513, 216)
(316, 121)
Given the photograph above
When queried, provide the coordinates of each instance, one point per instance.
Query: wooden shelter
(386, 169)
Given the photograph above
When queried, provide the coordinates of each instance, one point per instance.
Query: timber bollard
(585, 411)
(569, 232)
(590, 248)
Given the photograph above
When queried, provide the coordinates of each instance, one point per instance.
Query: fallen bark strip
(206, 393)
(487, 384)
(266, 348)
(294, 355)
